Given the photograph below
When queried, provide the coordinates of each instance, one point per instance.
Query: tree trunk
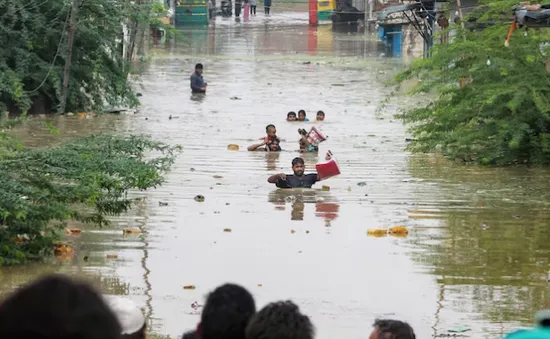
(67, 71)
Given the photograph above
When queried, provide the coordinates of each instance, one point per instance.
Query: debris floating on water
(361, 183)
(199, 198)
(325, 188)
(292, 231)
(73, 231)
(228, 230)
(132, 230)
(233, 147)
(398, 231)
(189, 287)
(163, 203)
(112, 256)
(377, 232)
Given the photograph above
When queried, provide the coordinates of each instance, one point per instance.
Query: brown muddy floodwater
(477, 252)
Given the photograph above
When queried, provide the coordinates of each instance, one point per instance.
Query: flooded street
(478, 249)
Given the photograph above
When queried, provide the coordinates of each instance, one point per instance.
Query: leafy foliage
(85, 180)
(501, 114)
(33, 36)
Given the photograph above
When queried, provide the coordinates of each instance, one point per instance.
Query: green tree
(501, 115)
(86, 179)
(33, 36)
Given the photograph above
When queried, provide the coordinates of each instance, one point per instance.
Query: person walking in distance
(267, 6)
(197, 82)
(253, 4)
(246, 10)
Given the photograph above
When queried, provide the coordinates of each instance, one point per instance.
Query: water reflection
(299, 198)
(272, 160)
(292, 35)
(492, 246)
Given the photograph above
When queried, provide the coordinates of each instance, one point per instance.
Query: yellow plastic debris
(325, 188)
(377, 232)
(233, 147)
(398, 231)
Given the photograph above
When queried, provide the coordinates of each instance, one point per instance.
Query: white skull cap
(127, 312)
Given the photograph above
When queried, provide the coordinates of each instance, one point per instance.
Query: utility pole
(460, 15)
(66, 73)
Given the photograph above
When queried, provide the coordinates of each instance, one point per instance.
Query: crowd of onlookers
(57, 307)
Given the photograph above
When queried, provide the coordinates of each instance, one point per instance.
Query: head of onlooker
(280, 320)
(56, 307)
(190, 335)
(129, 317)
(226, 313)
(391, 329)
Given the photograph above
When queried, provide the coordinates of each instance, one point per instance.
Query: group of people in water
(272, 143)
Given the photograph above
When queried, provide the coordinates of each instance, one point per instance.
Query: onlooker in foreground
(226, 313)
(391, 329)
(56, 307)
(129, 317)
(541, 330)
(190, 335)
(280, 320)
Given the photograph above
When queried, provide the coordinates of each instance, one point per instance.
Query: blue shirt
(197, 82)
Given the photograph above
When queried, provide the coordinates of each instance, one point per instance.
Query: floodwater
(477, 254)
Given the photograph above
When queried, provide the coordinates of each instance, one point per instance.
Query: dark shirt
(197, 82)
(292, 181)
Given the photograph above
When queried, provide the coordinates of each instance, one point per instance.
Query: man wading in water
(299, 179)
(197, 82)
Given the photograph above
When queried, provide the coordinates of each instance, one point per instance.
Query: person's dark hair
(280, 319)
(321, 113)
(302, 111)
(55, 307)
(141, 334)
(190, 335)
(297, 161)
(268, 126)
(226, 313)
(198, 66)
(393, 329)
(291, 113)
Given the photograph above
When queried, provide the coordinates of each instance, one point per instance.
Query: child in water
(320, 116)
(291, 116)
(302, 115)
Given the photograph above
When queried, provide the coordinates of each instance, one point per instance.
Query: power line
(55, 56)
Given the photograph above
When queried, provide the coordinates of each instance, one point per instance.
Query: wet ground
(478, 248)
